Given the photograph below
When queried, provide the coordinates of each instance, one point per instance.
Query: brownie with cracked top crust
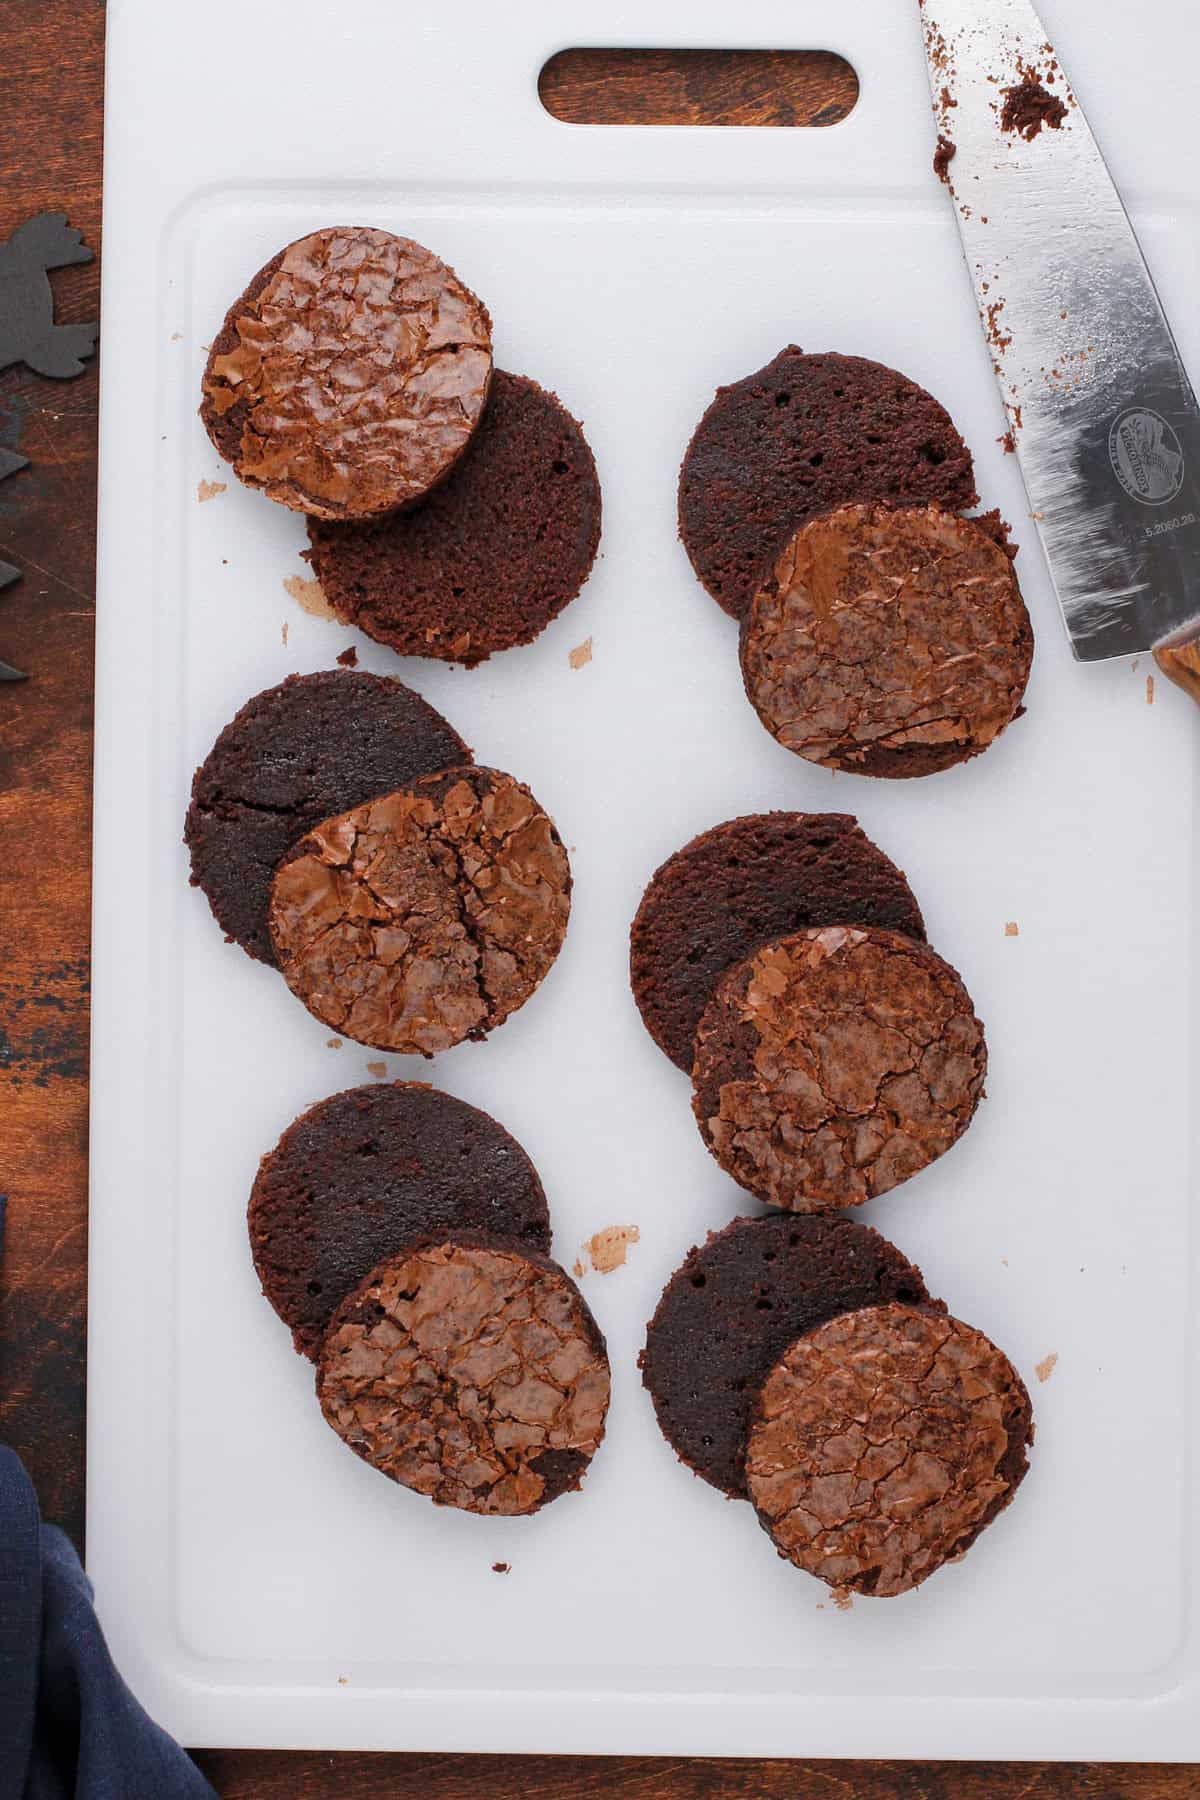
(883, 1443)
(359, 1175)
(737, 887)
(834, 1064)
(472, 1374)
(349, 377)
(424, 917)
(800, 436)
(732, 1308)
(889, 641)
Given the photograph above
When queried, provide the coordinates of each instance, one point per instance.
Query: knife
(1101, 412)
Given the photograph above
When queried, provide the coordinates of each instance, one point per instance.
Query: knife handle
(1180, 662)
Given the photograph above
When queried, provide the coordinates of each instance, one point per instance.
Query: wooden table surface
(53, 55)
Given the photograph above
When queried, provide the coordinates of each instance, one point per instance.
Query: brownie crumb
(1008, 444)
(1045, 1369)
(1028, 106)
(349, 658)
(501, 1568)
(943, 156)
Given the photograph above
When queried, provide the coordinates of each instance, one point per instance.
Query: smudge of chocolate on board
(208, 490)
(1045, 1369)
(1029, 105)
(943, 156)
(581, 654)
(348, 658)
(378, 1070)
(1149, 690)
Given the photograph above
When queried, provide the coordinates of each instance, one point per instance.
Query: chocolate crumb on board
(208, 490)
(1008, 444)
(501, 1568)
(581, 654)
(609, 1248)
(1012, 929)
(1028, 106)
(334, 1043)
(349, 658)
(284, 634)
(306, 592)
(378, 1070)
(1045, 1369)
(943, 156)
(1149, 690)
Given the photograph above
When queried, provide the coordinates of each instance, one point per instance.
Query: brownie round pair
(888, 641)
(427, 916)
(737, 887)
(470, 1373)
(884, 1442)
(732, 1308)
(495, 553)
(797, 438)
(292, 757)
(834, 1064)
(350, 375)
(360, 1175)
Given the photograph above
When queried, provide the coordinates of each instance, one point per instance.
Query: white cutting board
(259, 1584)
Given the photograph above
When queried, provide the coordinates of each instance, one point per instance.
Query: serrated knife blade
(1102, 415)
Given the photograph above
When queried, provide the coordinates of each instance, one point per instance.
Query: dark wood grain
(53, 52)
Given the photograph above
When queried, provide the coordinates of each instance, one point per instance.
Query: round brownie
(738, 886)
(798, 437)
(470, 1373)
(834, 1064)
(888, 642)
(293, 756)
(883, 1443)
(492, 556)
(349, 376)
(359, 1176)
(425, 917)
(732, 1308)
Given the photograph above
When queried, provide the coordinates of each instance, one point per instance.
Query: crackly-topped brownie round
(294, 755)
(469, 1373)
(490, 558)
(360, 1175)
(738, 886)
(834, 1064)
(427, 916)
(888, 641)
(884, 1442)
(803, 435)
(349, 377)
(734, 1305)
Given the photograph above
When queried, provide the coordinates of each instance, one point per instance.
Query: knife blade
(1102, 415)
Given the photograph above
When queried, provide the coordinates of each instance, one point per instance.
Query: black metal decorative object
(28, 332)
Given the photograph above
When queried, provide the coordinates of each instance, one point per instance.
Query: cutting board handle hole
(698, 87)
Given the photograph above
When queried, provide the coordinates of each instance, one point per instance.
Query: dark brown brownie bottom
(796, 438)
(495, 553)
(362, 1174)
(295, 755)
(732, 1308)
(738, 886)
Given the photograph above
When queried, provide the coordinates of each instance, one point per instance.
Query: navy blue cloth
(69, 1727)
